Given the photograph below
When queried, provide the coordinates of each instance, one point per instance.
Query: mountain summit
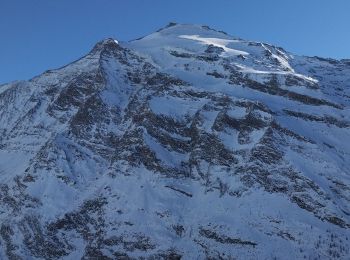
(187, 143)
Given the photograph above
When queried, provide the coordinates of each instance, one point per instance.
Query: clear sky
(36, 35)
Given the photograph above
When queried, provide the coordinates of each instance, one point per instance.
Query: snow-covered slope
(187, 143)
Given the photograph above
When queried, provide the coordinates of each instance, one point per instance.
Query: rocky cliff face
(187, 143)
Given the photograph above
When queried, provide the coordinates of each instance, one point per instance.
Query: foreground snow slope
(187, 143)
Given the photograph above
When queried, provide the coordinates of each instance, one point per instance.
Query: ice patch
(222, 43)
(250, 70)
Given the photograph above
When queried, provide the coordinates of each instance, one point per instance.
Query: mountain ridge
(186, 143)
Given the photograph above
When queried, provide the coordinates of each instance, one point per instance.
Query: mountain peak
(108, 43)
(183, 28)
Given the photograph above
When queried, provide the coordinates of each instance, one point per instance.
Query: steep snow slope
(187, 143)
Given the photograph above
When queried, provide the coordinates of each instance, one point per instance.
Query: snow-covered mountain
(187, 143)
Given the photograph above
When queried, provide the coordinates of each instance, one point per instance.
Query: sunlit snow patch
(222, 43)
(250, 70)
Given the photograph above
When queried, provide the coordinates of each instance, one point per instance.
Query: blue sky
(36, 35)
